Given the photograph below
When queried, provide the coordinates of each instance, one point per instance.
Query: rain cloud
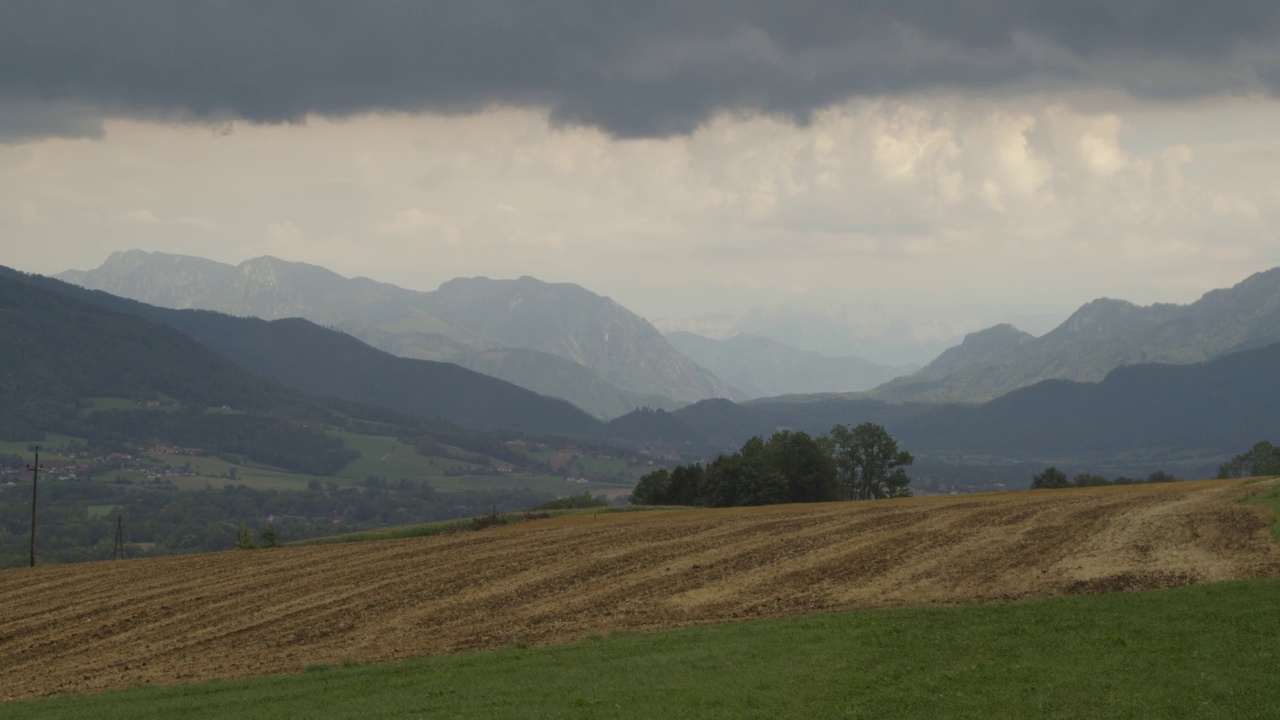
(634, 69)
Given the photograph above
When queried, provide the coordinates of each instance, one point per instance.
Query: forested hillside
(326, 362)
(1157, 412)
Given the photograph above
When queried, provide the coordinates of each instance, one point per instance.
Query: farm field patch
(388, 458)
(1193, 652)
(98, 626)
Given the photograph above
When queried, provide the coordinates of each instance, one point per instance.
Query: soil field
(89, 627)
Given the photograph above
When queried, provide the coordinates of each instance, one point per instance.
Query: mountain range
(885, 335)
(1149, 412)
(65, 343)
(759, 367)
(59, 352)
(1099, 337)
(590, 350)
(302, 355)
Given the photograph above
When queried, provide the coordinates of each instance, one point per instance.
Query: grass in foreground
(1270, 499)
(1207, 651)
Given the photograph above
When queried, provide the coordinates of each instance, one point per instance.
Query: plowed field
(81, 628)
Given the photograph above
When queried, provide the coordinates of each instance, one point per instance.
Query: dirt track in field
(89, 627)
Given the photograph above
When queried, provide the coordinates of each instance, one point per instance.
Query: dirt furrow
(82, 628)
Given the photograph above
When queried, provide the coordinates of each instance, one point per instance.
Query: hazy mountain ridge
(883, 335)
(61, 350)
(977, 348)
(1216, 407)
(302, 355)
(1200, 413)
(760, 367)
(1099, 337)
(463, 316)
(549, 374)
(569, 321)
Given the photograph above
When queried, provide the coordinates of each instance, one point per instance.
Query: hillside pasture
(389, 458)
(386, 457)
(98, 626)
(215, 472)
(23, 448)
(103, 404)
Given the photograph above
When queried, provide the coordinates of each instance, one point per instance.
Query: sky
(971, 161)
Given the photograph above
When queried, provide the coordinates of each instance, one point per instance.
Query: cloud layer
(654, 68)
(931, 202)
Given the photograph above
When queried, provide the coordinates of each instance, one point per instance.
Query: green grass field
(211, 472)
(383, 456)
(51, 440)
(388, 458)
(95, 404)
(132, 476)
(1200, 652)
(609, 466)
(1270, 498)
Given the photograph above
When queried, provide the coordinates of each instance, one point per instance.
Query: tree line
(1261, 460)
(860, 463)
(78, 517)
(1052, 477)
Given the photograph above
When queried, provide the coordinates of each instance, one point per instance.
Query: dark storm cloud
(26, 120)
(638, 67)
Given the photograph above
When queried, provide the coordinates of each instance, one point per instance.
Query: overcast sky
(968, 159)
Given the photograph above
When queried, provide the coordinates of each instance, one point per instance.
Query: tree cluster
(1261, 460)
(861, 463)
(1052, 477)
(574, 502)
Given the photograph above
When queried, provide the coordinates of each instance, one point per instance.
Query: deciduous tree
(1261, 460)
(868, 462)
(1052, 477)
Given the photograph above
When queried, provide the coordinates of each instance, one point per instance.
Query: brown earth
(90, 627)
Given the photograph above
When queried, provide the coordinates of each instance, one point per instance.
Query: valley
(639, 360)
(189, 499)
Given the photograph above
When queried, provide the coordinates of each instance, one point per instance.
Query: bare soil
(97, 626)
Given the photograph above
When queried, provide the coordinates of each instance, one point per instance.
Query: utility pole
(35, 477)
(117, 552)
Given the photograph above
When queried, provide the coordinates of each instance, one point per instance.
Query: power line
(35, 477)
(117, 552)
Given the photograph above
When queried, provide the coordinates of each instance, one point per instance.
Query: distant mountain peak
(1004, 335)
(464, 315)
(760, 367)
(976, 349)
(1106, 334)
(1099, 317)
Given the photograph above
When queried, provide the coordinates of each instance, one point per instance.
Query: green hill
(316, 360)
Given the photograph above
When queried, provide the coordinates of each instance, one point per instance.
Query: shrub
(244, 539)
(583, 500)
